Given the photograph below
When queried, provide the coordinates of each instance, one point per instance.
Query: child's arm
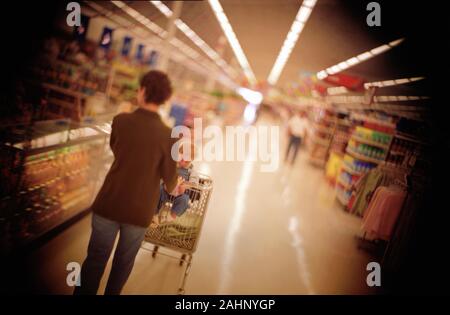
(178, 187)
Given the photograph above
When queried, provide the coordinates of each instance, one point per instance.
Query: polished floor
(265, 233)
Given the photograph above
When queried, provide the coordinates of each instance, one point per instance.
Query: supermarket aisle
(265, 233)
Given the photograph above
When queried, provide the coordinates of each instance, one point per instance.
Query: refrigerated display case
(50, 173)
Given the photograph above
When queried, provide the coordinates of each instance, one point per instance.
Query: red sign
(350, 82)
(322, 90)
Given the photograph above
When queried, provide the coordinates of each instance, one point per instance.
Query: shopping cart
(182, 234)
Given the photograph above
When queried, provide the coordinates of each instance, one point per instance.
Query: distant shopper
(141, 144)
(297, 128)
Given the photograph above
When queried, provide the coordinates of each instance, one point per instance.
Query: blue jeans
(294, 144)
(180, 203)
(104, 232)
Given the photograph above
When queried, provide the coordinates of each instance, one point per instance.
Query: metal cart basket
(182, 234)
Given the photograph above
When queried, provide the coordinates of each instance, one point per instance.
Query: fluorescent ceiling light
(232, 39)
(119, 4)
(396, 42)
(394, 98)
(162, 8)
(416, 79)
(380, 49)
(401, 81)
(335, 69)
(291, 39)
(140, 18)
(321, 75)
(359, 58)
(253, 97)
(309, 3)
(216, 6)
(330, 71)
(297, 27)
(195, 38)
(343, 65)
(364, 56)
(352, 61)
(392, 82)
(303, 14)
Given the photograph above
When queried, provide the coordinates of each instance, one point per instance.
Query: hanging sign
(322, 90)
(140, 52)
(106, 38)
(152, 58)
(350, 82)
(126, 47)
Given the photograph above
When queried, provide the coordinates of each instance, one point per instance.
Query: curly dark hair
(158, 88)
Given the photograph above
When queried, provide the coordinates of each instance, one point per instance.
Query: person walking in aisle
(141, 144)
(297, 126)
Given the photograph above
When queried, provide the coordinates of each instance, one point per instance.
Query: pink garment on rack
(383, 211)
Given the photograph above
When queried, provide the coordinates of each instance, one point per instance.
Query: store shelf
(370, 142)
(406, 137)
(318, 140)
(362, 157)
(346, 186)
(339, 141)
(126, 75)
(317, 161)
(326, 120)
(324, 129)
(64, 90)
(349, 170)
(342, 122)
(337, 152)
(397, 153)
(343, 200)
(63, 104)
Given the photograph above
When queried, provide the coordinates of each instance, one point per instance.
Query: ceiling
(335, 31)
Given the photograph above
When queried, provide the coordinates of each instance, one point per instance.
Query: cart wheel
(155, 251)
(183, 257)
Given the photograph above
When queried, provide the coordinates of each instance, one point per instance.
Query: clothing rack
(400, 235)
(402, 183)
(402, 180)
(383, 166)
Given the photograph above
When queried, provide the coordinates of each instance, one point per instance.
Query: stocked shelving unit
(324, 125)
(409, 152)
(50, 172)
(338, 145)
(86, 79)
(123, 83)
(72, 90)
(368, 146)
(60, 102)
(69, 90)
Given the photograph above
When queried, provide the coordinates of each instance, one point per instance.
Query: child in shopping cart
(179, 196)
